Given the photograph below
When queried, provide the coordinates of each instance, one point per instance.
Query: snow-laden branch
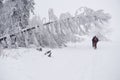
(58, 31)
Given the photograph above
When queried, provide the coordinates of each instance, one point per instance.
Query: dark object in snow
(39, 49)
(94, 42)
(49, 53)
(3, 42)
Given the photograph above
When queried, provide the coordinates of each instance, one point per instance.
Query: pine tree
(14, 17)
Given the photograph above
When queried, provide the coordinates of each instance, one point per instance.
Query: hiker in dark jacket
(94, 42)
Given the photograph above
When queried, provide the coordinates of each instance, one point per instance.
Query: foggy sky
(62, 6)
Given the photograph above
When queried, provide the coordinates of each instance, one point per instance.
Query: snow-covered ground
(76, 62)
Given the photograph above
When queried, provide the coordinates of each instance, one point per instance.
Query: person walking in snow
(94, 42)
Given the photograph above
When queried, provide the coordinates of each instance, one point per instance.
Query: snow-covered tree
(14, 16)
(67, 28)
(52, 16)
(35, 21)
(92, 22)
(14, 19)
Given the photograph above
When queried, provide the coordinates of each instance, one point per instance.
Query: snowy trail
(76, 62)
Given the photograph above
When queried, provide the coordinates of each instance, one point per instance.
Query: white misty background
(64, 27)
